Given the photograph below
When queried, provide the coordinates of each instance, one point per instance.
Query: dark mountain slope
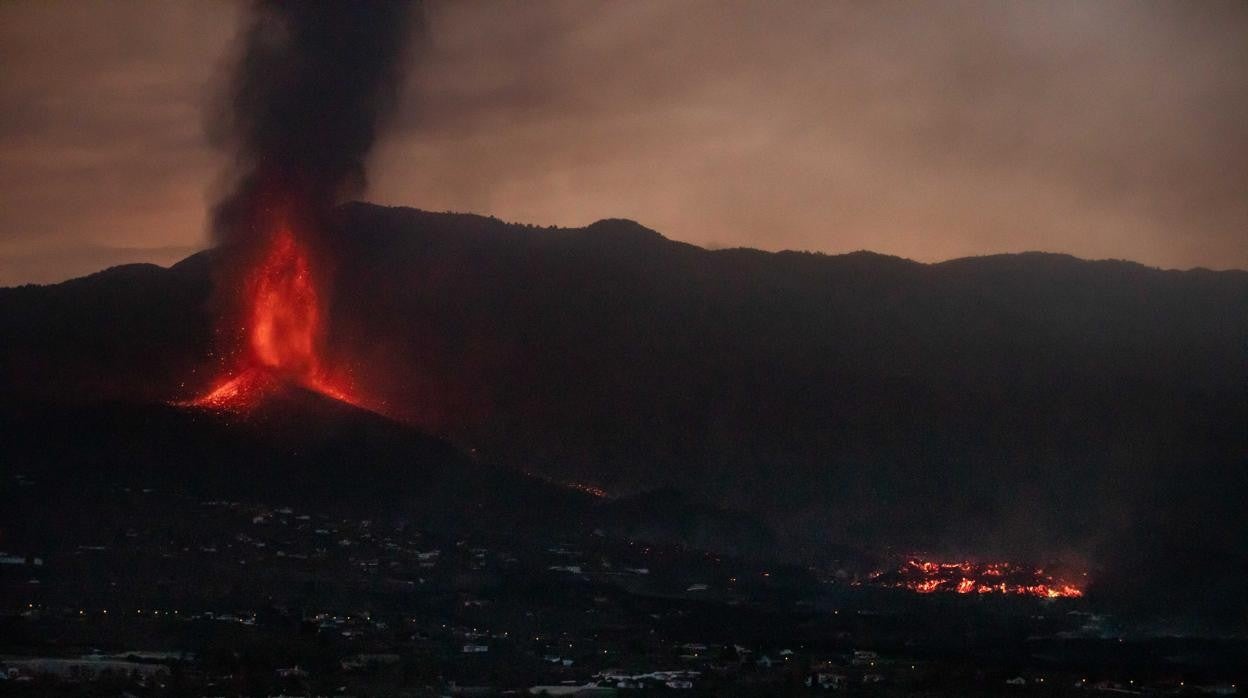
(135, 331)
(297, 448)
(303, 449)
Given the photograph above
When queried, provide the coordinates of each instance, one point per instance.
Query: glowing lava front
(926, 577)
(284, 325)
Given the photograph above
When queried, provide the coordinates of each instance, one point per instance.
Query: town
(231, 598)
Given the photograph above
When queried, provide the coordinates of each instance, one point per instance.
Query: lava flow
(926, 577)
(283, 312)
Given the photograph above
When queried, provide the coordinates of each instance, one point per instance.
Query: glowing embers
(926, 577)
(284, 325)
(241, 392)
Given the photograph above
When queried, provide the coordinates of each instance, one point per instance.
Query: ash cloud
(311, 86)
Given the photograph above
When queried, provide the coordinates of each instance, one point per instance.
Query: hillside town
(245, 599)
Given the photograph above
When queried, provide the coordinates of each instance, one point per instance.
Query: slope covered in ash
(299, 448)
(1030, 404)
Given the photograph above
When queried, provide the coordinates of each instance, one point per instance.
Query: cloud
(927, 130)
(101, 138)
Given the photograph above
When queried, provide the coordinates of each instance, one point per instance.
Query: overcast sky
(929, 130)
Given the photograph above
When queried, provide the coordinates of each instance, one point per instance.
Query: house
(364, 661)
(828, 680)
(863, 658)
(576, 691)
(294, 672)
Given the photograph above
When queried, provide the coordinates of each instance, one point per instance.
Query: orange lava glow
(286, 313)
(926, 577)
(284, 325)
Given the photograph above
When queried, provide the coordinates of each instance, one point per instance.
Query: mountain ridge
(636, 232)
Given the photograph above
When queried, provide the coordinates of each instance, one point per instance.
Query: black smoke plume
(311, 86)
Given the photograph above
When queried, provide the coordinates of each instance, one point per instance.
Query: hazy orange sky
(929, 130)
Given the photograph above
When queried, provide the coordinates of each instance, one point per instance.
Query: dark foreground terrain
(168, 595)
(257, 563)
(172, 596)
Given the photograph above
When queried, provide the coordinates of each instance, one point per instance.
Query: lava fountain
(310, 87)
(284, 314)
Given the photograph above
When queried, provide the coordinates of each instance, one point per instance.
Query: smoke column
(312, 84)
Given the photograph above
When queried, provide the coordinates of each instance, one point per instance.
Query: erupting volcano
(307, 95)
(284, 316)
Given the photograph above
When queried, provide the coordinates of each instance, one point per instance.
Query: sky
(928, 130)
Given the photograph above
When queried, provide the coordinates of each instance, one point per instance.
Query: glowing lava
(283, 331)
(926, 577)
(285, 310)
